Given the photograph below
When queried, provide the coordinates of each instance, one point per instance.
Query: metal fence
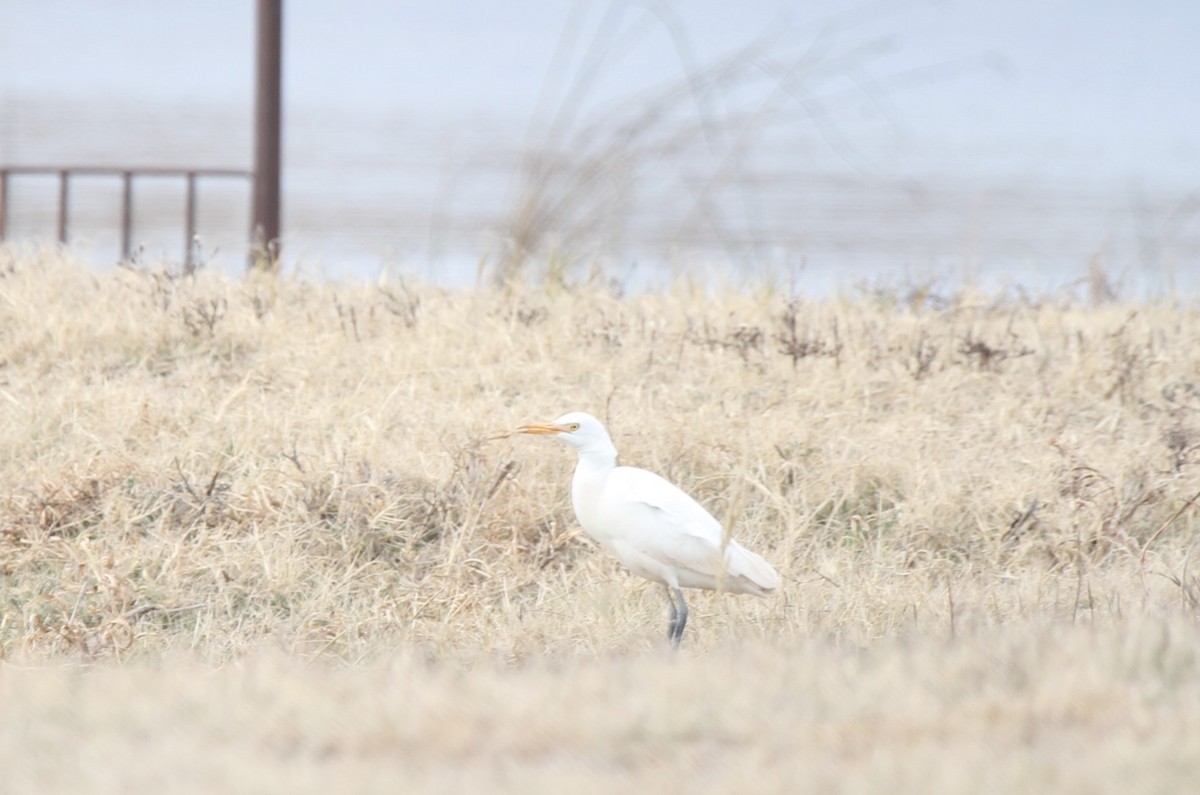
(264, 180)
(127, 175)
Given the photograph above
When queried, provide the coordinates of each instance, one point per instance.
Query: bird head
(578, 429)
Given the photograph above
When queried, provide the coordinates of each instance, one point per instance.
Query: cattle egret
(654, 529)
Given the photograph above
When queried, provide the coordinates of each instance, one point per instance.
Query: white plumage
(653, 528)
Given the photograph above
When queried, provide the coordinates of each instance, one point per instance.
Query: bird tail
(748, 572)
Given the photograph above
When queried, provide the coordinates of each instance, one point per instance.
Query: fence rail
(127, 175)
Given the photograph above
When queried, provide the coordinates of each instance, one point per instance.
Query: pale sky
(1052, 128)
(1115, 78)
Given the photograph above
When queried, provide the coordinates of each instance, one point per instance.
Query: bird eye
(574, 426)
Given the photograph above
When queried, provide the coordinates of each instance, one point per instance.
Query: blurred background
(1027, 145)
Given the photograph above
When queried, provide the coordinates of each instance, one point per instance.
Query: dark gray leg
(672, 617)
(677, 617)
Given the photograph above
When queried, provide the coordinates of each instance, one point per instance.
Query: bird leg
(677, 618)
(672, 617)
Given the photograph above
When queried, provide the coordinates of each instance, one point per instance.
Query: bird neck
(598, 457)
(595, 464)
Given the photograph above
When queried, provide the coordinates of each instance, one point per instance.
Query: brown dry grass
(256, 535)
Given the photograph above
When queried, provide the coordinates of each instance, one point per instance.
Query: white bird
(654, 529)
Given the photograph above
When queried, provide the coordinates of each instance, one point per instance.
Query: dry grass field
(267, 535)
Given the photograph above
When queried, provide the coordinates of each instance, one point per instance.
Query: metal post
(190, 222)
(267, 131)
(62, 205)
(3, 202)
(126, 214)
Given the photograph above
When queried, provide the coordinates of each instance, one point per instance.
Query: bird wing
(662, 521)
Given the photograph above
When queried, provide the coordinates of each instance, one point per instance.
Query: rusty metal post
(268, 104)
(62, 205)
(126, 214)
(190, 222)
(3, 202)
